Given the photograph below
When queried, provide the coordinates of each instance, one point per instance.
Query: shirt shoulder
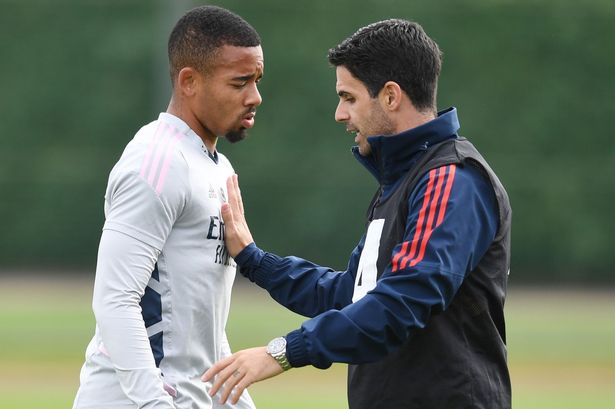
(154, 151)
(149, 186)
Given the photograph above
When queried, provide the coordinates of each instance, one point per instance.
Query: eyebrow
(248, 77)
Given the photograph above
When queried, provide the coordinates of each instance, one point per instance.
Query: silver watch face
(276, 346)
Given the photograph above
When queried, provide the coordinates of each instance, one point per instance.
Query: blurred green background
(533, 83)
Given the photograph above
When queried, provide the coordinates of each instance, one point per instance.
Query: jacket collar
(393, 155)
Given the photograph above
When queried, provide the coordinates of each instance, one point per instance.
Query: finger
(239, 198)
(227, 215)
(217, 367)
(225, 379)
(218, 383)
(236, 202)
(230, 189)
(239, 388)
(230, 384)
(232, 195)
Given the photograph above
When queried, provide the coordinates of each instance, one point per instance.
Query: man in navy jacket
(418, 314)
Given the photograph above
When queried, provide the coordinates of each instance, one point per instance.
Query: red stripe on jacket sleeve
(447, 193)
(430, 220)
(450, 177)
(435, 202)
(419, 224)
(399, 255)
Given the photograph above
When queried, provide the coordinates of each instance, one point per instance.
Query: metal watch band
(282, 360)
(277, 349)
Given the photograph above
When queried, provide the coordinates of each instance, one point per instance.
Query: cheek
(230, 105)
(219, 110)
(217, 99)
(360, 117)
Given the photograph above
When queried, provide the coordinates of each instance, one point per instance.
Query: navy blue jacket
(384, 319)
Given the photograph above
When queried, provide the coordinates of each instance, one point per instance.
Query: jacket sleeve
(300, 285)
(451, 222)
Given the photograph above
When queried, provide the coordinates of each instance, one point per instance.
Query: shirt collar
(184, 128)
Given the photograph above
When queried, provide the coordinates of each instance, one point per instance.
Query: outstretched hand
(240, 370)
(236, 231)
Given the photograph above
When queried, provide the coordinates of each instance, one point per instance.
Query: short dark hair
(201, 32)
(393, 50)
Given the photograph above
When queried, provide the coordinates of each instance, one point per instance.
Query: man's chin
(236, 136)
(365, 150)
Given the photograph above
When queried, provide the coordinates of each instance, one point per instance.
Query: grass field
(561, 346)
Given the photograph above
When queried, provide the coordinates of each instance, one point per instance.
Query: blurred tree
(531, 79)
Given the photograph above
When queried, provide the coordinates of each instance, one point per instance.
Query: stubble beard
(236, 136)
(380, 124)
(240, 134)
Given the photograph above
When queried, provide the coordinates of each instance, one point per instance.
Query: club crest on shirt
(212, 192)
(222, 196)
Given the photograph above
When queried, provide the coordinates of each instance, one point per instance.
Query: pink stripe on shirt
(150, 149)
(167, 160)
(161, 148)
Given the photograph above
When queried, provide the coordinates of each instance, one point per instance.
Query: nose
(254, 98)
(341, 115)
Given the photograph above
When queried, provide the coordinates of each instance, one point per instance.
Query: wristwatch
(277, 349)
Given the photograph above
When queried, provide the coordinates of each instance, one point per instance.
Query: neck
(182, 111)
(413, 119)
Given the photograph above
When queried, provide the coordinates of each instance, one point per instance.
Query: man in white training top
(164, 276)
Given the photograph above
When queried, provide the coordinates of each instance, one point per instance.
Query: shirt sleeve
(452, 220)
(123, 270)
(135, 207)
(139, 216)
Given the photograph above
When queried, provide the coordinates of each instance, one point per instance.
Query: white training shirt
(163, 276)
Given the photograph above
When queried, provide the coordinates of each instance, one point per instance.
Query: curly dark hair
(201, 32)
(393, 50)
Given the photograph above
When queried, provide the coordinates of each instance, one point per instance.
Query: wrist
(277, 350)
(249, 256)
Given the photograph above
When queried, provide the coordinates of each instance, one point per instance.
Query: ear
(390, 96)
(187, 81)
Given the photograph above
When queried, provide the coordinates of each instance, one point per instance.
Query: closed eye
(345, 96)
(240, 82)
